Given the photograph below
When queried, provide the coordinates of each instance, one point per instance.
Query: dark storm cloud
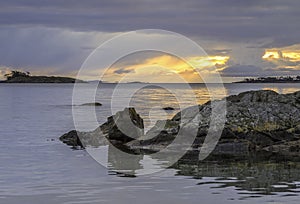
(56, 36)
(46, 50)
(123, 71)
(218, 51)
(231, 20)
(242, 70)
(254, 71)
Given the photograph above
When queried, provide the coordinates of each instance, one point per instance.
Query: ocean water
(35, 167)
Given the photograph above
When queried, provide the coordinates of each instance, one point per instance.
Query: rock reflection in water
(256, 176)
(120, 165)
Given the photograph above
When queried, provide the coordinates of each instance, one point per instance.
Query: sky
(241, 38)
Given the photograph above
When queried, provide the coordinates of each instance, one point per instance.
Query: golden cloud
(286, 58)
(163, 68)
(276, 54)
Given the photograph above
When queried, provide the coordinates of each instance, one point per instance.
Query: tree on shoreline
(272, 79)
(15, 73)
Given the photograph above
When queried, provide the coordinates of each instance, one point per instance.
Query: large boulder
(124, 126)
(120, 128)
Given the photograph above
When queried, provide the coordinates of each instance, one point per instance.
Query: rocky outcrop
(255, 121)
(262, 118)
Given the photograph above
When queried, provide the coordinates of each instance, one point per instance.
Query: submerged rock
(168, 108)
(255, 121)
(92, 104)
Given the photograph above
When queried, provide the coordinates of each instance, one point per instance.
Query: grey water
(35, 167)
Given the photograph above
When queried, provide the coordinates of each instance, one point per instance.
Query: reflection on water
(282, 89)
(260, 176)
(257, 175)
(247, 177)
(250, 178)
(37, 168)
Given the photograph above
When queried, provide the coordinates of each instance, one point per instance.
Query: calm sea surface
(35, 167)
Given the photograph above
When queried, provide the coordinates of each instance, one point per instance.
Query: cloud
(242, 71)
(230, 20)
(283, 56)
(153, 66)
(123, 71)
(254, 71)
(46, 50)
(55, 37)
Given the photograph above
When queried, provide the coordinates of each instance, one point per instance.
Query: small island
(26, 77)
(137, 82)
(281, 79)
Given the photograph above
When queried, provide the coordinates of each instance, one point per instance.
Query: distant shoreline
(281, 79)
(261, 82)
(41, 80)
(114, 83)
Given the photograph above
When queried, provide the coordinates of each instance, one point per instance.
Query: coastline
(41, 79)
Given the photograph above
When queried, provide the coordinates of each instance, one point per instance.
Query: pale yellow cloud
(3, 72)
(286, 57)
(290, 55)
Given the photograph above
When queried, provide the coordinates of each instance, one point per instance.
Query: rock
(260, 118)
(120, 128)
(124, 126)
(255, 121)
(92, 104)
(161, 134)
(71, 138)
(168, 108)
